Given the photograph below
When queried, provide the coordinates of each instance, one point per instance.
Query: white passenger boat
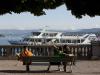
(51, 37)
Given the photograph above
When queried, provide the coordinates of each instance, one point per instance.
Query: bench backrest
(48, 59)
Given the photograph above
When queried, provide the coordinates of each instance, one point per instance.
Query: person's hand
(17, 54)
(60, 51)
(71, 54)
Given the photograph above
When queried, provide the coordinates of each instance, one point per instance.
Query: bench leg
(58, 67)
(70, 68)
(27, 68)
(48, 67)
(64, 67)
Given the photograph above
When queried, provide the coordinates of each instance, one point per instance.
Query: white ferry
(51, 37)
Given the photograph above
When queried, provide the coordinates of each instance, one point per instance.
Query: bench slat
(47, 59)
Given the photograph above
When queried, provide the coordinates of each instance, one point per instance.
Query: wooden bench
(68, 58)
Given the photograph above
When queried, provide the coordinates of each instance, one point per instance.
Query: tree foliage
(83, 7)
(36, 7)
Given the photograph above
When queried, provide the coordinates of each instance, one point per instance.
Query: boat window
(71, 34)
(78, 41)
(48, 40)
(35, 33)
(39, 40)
(62, 41)
(45, 34)
(81, 40)
(49, 34)
(66, 41)
(69, 41)
(74, 41)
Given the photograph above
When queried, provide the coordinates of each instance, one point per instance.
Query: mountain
(27, 32)
(90, 30)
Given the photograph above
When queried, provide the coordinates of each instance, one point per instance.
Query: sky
(58, 18)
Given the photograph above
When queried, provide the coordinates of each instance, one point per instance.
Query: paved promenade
(12, 67)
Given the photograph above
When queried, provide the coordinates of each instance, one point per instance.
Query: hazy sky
(55, 19)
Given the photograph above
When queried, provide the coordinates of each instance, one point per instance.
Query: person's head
(25, 48)
(64, 46)
(60, 48)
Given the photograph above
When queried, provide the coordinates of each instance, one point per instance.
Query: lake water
(4, 40)
(13, 35)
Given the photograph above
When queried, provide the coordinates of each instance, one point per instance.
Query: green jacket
(59, 55)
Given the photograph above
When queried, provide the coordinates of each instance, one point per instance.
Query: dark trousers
(54, 63)
(64, 65)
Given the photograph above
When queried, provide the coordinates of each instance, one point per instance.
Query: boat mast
(44, 37)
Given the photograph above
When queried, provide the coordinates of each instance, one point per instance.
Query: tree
(36, 7)
(83, 7)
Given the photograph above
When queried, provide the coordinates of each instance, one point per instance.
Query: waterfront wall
(9, 51)
(96, 49)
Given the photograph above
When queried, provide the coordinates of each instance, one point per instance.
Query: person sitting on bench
(24, 53)
(66, 51)
(57, 51)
